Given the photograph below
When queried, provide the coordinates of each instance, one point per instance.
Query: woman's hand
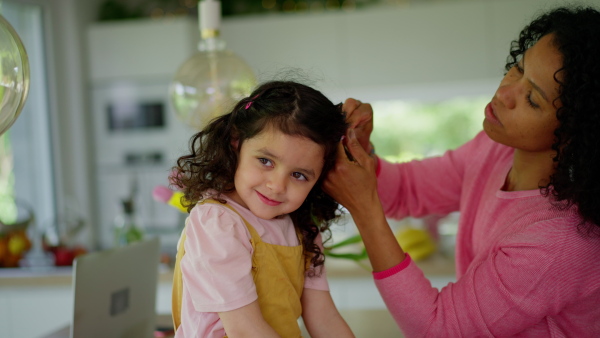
(353, 183)
(360, 118)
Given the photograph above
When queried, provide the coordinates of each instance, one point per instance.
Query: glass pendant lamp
(208, 83)
(14, 75)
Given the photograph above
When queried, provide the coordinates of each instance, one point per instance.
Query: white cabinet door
(31, 312)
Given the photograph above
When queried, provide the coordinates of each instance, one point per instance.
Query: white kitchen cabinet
(428, 49)
(139, 49)
(30, 310)
(349, 53)
(36, 305)
(137, 137)
(5, 322)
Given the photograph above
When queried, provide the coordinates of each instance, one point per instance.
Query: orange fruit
(17, 244)
(3, 248)
(11, 261)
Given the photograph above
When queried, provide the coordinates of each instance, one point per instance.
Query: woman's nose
(508, 92)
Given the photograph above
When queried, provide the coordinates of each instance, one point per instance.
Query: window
(29, 140)
(407, 130)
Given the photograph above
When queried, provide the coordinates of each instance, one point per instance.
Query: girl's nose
(276, 183)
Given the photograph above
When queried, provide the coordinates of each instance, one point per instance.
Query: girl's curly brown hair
(576, 34)
(292, 108)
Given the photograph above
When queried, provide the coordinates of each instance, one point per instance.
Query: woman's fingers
(357, 151)
(353, 177)
(350, 106)
(359, 116)
(353, 146)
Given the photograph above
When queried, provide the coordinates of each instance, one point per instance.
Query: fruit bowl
(14, 241)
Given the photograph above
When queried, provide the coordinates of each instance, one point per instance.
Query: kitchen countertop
(364, 323)
(364, 311)
(53, 276)
(36, 277)
(436, 265)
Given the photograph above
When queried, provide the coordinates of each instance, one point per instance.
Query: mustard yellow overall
(278, 273)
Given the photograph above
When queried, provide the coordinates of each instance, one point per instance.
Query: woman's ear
(235, 142)
(235, 139)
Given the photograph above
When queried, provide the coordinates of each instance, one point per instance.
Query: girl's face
(522, 113)
(276, 172)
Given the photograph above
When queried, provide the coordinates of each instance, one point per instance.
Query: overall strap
(253, 232)
(177, 291)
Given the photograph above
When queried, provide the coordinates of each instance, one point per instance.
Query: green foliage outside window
(406, 130)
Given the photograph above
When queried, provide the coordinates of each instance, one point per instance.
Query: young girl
(250, 258)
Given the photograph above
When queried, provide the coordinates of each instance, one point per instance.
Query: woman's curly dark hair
(576, 34)
(292, 108)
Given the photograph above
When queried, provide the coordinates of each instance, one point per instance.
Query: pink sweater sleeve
(516, 288)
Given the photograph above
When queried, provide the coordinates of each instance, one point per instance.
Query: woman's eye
(299, 176)
(519, 68)
(265, 162)
(530, 101)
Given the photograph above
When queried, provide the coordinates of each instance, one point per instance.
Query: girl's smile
(267, 200)
(276, 172)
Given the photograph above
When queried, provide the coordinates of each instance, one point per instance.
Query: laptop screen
(115, 291)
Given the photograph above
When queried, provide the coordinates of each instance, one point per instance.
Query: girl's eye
(266, 162)
(299, 176)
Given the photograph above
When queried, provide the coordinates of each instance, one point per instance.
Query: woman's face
(522, 113)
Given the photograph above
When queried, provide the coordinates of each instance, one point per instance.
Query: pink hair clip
(250, 103)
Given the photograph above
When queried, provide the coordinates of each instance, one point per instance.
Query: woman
(526, 187)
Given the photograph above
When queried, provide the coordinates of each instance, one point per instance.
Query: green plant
(358, 257)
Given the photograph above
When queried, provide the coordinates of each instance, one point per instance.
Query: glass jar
(126, 226)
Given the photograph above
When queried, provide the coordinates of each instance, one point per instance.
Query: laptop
(115, 292)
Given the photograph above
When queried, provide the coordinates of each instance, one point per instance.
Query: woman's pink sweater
(523, 268)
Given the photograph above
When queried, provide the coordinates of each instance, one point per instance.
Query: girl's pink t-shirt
(216, 267)
(524, 268)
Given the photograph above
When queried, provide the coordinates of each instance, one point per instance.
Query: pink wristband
(393, 270)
